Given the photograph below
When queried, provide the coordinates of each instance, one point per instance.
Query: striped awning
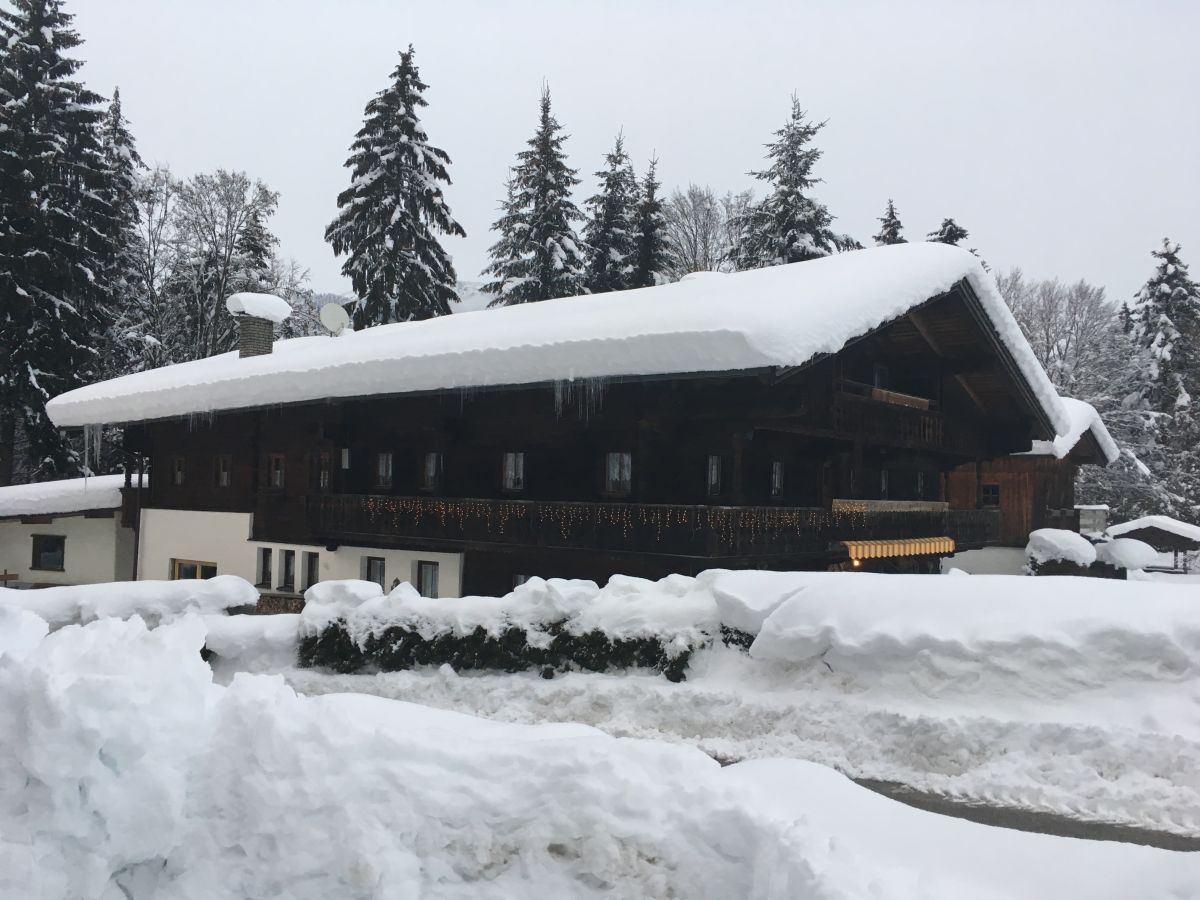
(903, 547)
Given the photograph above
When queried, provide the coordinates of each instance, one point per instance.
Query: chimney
(257, 315)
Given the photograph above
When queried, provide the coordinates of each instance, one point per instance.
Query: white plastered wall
(223, 538)
(96, 550)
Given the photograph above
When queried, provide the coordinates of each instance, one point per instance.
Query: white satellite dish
(334, 318)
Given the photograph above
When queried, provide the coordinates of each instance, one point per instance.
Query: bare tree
(696, 229)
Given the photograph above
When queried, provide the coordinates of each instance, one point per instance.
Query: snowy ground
(126, 773)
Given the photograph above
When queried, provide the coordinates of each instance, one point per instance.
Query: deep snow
(125, 772)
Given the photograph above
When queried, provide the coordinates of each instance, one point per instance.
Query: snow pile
(44, 498)
(1164, 523)
(260, 306)
(1126, 553)
(154, 601)
(251, 643)
(124, 772)
(1058, 544)
(1083, 418)
(777, 316)
(20, 632)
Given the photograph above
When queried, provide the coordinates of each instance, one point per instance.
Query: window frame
(512, 478)
(619, 484)
(178, 471)
(324, 480)
(382, 561)
(885, 483)
(992, 490)
(287, 570)
(226, 460)
(431, 481)
(424, 569)
(714, 475)
(265, 564)
(199, 564)
(273, 483)
(377, 478)
(778, 478)
(34, 554)
(312, 568)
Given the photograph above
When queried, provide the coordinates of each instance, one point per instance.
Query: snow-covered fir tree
(390, 216)
(55, 239)
(950, 232)
(654, 260)
(609, 231)
(788, 225)
(538, 255)
(890, 228)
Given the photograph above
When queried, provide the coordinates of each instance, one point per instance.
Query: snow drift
(125, 772)
(154, 601)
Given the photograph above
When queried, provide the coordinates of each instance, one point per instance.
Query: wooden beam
(918, 323)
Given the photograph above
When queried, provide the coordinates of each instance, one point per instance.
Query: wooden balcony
(718, 532)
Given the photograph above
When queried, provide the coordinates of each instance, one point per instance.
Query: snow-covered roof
(1163, 523)
(261, 306)
(44, 498)
(779, 316)
(1083, 418)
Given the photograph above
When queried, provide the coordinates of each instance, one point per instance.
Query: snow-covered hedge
(126, 773)
(1057, 545)
(154, 601)
(546, 625)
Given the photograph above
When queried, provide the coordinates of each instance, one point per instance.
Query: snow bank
(1052, 544)
(777, 316)
(154, 601)
(1052, 634)
(20, 632)
(1165, 523)
(261, 306)
(1126, 553)
(124, 772)
(249, 643)
(72, 495)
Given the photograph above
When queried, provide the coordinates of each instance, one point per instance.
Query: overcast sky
(1064, 136)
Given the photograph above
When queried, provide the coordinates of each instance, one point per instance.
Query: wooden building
(804, 417)
(1036, 488)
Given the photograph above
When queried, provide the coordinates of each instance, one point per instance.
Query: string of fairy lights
(497, 518)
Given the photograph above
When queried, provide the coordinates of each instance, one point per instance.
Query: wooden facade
(643, 475)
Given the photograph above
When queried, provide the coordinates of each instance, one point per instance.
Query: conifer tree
(788, 225)
(609, 232)
(538, 255)
(890, 227)
(950, 233)
(654, 260)
(391, 214)
(55, 237)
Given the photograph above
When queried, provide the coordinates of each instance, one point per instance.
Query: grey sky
(1065, 136)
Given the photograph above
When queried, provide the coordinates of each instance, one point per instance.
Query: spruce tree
(890, 227)
(391, 214)
(55, 239)
(788, 225)
(654, 260)
(609, 232)
(950, 233)
(538, 255)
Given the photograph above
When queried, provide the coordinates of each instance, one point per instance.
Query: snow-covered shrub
(549, 625)
(1126, 553)
(1056, 551)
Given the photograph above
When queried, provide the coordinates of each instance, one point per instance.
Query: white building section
(178, 543)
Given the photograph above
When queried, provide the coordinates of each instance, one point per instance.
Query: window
(514, 471)
(345, 458)
(224, 471)
(373, 569)
(427, 578)
(49, 552)
(276, 471)
(519, 580)
(264, 567)
(312, 569)
(777, 478)
(920, 485)
(431, 471)
(879, 376)
(383, 470)
(324, 471)
(989, 494)
(618, 473)
(177, 471)
(287, 565)
(714, 474)
(192, 568)
(883, 484)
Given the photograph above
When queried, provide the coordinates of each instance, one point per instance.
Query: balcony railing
(701, 531)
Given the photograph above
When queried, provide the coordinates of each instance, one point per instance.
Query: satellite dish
(334, 318)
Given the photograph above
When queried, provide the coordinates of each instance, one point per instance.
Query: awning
(904, 547)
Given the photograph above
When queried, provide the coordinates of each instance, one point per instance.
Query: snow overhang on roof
(775, 317)
(74, 495)
(1084, 420)
(1162, 523)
